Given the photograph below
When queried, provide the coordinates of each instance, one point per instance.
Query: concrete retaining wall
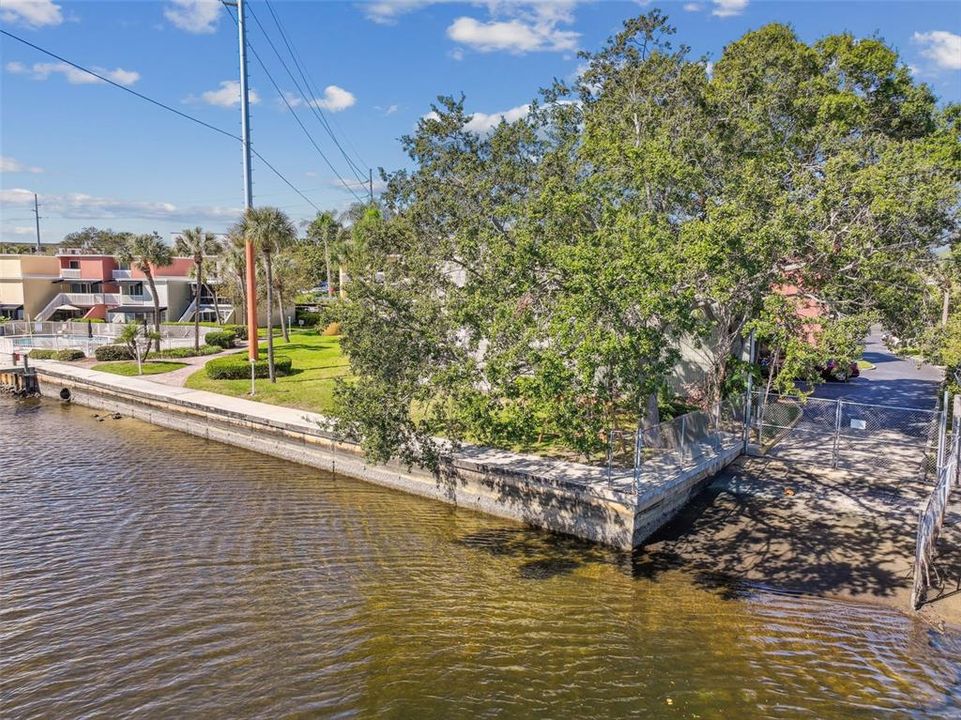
(505, 485)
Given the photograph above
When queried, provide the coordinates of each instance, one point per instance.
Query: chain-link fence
(932, 516)
(660, 453)
(21, 335)
(847, 435)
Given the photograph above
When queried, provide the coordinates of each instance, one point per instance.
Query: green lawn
(317, 361)
(129, 367)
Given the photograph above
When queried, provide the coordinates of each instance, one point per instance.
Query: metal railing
(20, 335)
(931, 519)
(673, 447)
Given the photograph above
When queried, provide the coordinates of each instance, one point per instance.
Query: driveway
(894, 381)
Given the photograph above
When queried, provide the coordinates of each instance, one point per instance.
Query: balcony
(121, 274)
(70, 273)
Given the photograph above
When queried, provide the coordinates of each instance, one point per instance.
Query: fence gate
(897, 442)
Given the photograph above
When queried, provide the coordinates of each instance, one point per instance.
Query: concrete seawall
(560, 496)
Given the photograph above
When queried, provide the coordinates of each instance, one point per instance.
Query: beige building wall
(27, 280)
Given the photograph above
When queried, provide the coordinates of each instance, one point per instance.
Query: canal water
(147, 573)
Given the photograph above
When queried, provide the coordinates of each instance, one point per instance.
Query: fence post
(637, 460)
(942, 431)
(610, 455)
(837, 434)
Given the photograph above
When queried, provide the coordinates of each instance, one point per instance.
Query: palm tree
(270, 231)
(288, 274)
(235, 263)
(200, 245)
(146, 252)
(325, 229)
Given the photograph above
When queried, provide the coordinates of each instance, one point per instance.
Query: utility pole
(370, 185)
(36, 216)
(252, 344)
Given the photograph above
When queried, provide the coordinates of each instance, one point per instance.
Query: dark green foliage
(223, 339)
(43, 354)
(105, 353)
(186, 352)
(237, 367)
(70, 354)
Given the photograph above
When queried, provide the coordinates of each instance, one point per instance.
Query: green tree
(325, 230)
(271, 231)
(147, 252)
(199, 245)
(93, 239)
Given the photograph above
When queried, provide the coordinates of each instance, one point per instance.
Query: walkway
(770, 524)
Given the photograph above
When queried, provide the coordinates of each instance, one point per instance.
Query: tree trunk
(156, 304)
(213, 289)
(283, 320)
(270, 318)
(200, 287)
(330, 280)
(340, 279)
(945, 306)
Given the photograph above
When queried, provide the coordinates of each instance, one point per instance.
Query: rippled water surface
(148, 573)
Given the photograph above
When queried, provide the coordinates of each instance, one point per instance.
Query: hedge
(223, 339)
(42, 354)
(70, 354)
(239, 330)
(237, 367)
(106, 353)
(311, 319)
(186, 352)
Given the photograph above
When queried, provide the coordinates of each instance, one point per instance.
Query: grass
(310, 386)
(865, 365)
(128, 368)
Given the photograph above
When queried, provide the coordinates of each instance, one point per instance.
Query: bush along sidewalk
(237, 367)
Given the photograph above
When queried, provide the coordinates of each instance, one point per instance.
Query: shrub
(70, 354)
(42, 354)
(186, 352)
(237, 367)
(311, 319)
(105, 353)
(223, 339)
(332, 329)
(240, 331)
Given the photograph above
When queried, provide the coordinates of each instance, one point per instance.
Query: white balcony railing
(70, 273)
(121, 275)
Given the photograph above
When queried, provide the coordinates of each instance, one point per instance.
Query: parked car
(834, 371)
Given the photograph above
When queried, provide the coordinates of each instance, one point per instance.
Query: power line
(294, 114)
(164, 106)
(312, 90)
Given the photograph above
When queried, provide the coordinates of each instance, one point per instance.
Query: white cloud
(693, 7)
(194, 16)
(228, 95)
(23, 230)
(533, 28)
(391, 109)
(457, 54)
(83, 206)
(336, 99)
(12, 165)
(729, 8)
(386, 12)
(35, 13)
(481, 123)
(941, 47)
(42, 71)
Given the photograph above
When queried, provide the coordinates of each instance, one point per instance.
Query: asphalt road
(894, 381)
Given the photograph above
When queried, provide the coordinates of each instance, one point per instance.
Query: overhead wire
(164, 106)
(293, 113)
(314, 95)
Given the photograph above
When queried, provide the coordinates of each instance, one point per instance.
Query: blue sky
(98, 156)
